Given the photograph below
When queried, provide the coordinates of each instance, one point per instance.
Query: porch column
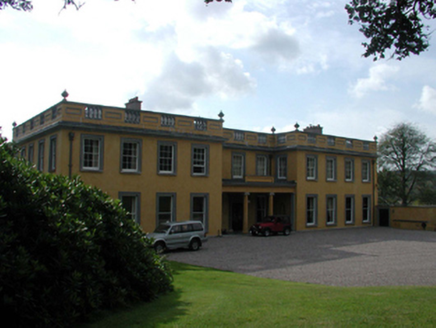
(271, 204)
(245, 222)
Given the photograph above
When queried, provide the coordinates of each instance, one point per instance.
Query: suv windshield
(163, 228)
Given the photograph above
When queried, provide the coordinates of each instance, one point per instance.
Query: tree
(394, 23)
(405, 155)
(67, 250)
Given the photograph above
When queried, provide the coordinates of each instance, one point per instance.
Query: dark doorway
(383, 215)
(236, 216)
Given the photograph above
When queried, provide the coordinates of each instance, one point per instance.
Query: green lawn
(206, 297)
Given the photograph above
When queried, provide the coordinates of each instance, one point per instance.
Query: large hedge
(67, 250)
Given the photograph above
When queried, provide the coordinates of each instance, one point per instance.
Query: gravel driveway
(373, 256)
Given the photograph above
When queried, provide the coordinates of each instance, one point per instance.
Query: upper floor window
(261, 165)
(282, 163)
(40, 163)
(92, 153)
(130, 155)
(366, 175)
(200, 154)
(311, 167)
(93, 112)
(238, 166)
(42, 119)
(167, 157)
(52, 154)
(281, 138)
(349, 143)
(331, 169)
(30, 153)
(349, 169)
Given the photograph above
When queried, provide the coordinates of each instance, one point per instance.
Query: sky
(263, 63)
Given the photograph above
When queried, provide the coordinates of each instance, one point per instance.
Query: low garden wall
(413, 217)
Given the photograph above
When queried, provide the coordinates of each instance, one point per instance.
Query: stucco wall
(413, 217)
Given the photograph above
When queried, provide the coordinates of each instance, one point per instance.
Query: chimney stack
(134, 103)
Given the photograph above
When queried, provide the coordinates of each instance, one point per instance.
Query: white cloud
(427, 102)
(378, 75)
(182, 83)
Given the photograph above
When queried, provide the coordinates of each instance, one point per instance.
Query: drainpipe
(70, 163)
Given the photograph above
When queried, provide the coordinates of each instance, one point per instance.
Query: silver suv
(172, 235)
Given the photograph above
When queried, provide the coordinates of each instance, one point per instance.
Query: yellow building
(174, 167)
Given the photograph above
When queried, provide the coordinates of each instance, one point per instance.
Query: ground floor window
(349, 209)
(366, 209)
(331, 210)
(165, 208)
(311, 210)
(199, 208)
(131, 203)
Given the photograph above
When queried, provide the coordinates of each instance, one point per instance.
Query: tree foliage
(405, 156)
(396, 24)
(67, 250)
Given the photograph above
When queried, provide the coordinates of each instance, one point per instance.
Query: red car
(272, 225)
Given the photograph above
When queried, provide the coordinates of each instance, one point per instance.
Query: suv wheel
(287, 231)
(159, 247)
(195, 245)
(267, 233)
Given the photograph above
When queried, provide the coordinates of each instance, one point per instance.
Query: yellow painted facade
(177, 167)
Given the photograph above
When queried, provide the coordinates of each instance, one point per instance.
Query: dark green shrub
(67, 249)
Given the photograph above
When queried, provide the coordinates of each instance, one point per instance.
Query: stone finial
(221, 115)
(65, 95)
(375, 138)
(273, 130)
(296, 126)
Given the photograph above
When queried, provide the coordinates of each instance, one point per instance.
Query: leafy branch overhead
(396, 24)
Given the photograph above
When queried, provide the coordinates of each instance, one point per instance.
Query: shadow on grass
(166, 309)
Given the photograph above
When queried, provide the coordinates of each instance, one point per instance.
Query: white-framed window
(366, 171)
(166, 208)
(261, 138)
(331, 141)
(200, 160)
(282, 164)
(40, 163)
(349, 143)
(331, 209)
(366, 209)
(52, 154)
(167, 157)
(349, 170)
(311, 167)
(349, 209)
(92, 153)
(199, 208)
(330, 168)
(131, 155)
(311, 209)
(261, 165)
(238, 165)
(131, 202)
